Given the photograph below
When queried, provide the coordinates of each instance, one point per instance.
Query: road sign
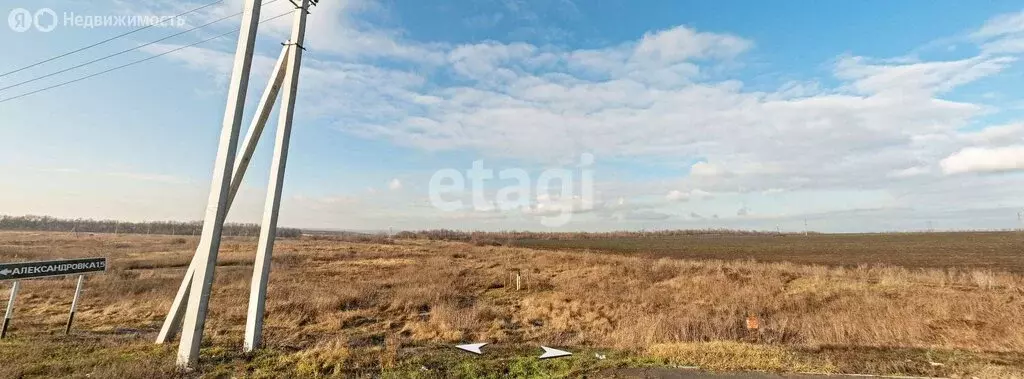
(28, 270)
(42, 269)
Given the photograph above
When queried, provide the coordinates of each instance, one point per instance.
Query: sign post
(10, 308)
(42, 269)
(74, 304)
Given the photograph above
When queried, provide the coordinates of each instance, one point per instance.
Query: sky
(855, 116)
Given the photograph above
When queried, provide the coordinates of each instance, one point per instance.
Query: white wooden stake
(74, 304)
(268, 229)
(213, 223)
(172, 323)
(10, 308)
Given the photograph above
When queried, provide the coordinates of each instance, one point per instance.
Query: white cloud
(897, 79)
(631, 100)
(909, 172)
(646, 99)
(1010, 23)
(706, 169)
(977, 159)
(676, 195)
(489, 61)
(681, 43)
(395, 184)
(1007, 134)
(1003, 34)
(696, 194)
(1006, 45)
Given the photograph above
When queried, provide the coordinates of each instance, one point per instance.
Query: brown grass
(961, 250)
(357, 307)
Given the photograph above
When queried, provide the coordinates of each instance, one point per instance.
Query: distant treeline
(53, 224)
(511, 237)
(458, 235)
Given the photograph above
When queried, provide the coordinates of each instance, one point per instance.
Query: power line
(114, 54)
(134, 62)
(123, 51)
(109, 39)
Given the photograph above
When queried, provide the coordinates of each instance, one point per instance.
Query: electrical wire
(109, 39)
(133, 62)
(123, 51)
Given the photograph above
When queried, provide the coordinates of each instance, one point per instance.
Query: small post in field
(74, 304)
(10, 308)
(753, 327)
(752, 323)
(518, 280)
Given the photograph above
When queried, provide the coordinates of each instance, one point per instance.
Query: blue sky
(856, 116)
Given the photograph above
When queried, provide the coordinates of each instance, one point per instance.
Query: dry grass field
(347, 309)
(968, 250)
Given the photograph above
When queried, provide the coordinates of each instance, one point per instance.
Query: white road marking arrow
(472, 348)
(553, 353)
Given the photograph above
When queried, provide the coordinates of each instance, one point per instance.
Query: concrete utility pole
(206, 257)
(173, 321)
(192, 300)
(268, 229)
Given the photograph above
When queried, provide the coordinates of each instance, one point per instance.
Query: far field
(991, 250)
(394, 308)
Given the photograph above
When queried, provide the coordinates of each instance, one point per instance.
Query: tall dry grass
(329, 297)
